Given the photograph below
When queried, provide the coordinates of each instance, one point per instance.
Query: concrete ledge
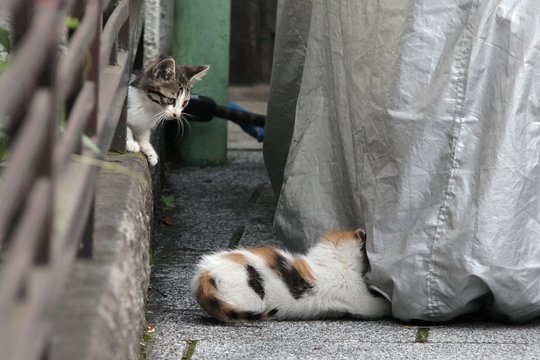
(102, 311)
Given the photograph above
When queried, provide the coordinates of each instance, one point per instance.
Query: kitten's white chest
(141, 110)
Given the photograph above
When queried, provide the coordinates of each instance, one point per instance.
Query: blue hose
(256, 131)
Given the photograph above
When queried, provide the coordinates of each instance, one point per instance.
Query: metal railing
(62, 102)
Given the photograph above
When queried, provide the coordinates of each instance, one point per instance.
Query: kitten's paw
(150, 153)
(132, 146)
(152, 159)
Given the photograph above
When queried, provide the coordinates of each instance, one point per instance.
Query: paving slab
(232, 205)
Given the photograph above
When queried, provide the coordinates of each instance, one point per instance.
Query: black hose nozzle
(204, 108)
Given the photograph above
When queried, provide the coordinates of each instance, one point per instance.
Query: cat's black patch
(255, 281)
(233, 314)
(251, 315)
(214, 303)
(156, 97)
(297, 285)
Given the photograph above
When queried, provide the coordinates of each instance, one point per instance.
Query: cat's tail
(208, 297)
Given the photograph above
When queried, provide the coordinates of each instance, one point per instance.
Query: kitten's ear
(195, 73)
(165, 70)
(360, 234)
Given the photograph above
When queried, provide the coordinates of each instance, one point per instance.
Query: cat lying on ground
(159, 93)
(268, 283)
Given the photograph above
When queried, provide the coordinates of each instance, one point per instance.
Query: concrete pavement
(232, 205)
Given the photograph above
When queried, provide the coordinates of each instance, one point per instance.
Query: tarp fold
(420, 121)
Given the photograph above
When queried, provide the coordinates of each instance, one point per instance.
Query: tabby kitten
(159, 93)
(262, 283)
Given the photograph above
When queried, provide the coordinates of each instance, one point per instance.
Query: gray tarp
(420, 121)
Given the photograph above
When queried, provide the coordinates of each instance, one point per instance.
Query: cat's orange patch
(340, 237)
(207, 285)
(303, 269)
(209, 299)
(237, 258)
(267, 253)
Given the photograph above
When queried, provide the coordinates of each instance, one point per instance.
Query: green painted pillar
(202, 38)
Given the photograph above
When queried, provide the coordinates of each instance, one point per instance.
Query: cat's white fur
(143, 116)
(336, 268)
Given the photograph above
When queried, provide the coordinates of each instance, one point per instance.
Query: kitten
(262, 283)
(159, 93)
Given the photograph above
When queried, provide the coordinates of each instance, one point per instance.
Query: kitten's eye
(184, 104)
(171, 101)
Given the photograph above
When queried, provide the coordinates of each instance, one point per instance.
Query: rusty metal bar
(70, 5)
(75, 192)
(106, 3)
(23, 16)
(113, 91)
(91, 73)
(118, 142)
(22, 77)
(75, 125)
(47, 194)
(110, 33)
(12, 5)
(135, 28)
(73, 60)
(20, 256)
(32, 327)
(128, 38)
(17, 269)
(26, 153)
(86, 250)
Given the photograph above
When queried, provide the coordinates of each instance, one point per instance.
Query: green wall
(202, 38)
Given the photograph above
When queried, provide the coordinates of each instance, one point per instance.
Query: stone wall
(158, 29)
(101, 315)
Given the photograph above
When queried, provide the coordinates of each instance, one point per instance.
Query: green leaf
(164, 265)
(4, 142)
(167, 201)
(91, 145)
(422, 335)
(4, 39)
(4, 65)
(190, 350)
(72, 23)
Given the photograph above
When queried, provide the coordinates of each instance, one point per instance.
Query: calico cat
(159, 93)
(264, 283)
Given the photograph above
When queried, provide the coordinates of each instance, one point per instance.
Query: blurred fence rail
(62, 103)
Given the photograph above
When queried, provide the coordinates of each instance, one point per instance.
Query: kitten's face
(169, 86)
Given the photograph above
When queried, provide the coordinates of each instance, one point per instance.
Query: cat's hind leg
(131, 144)
(371, 307)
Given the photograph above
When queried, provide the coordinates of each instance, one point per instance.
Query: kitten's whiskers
(158, 118)
(197, 90)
